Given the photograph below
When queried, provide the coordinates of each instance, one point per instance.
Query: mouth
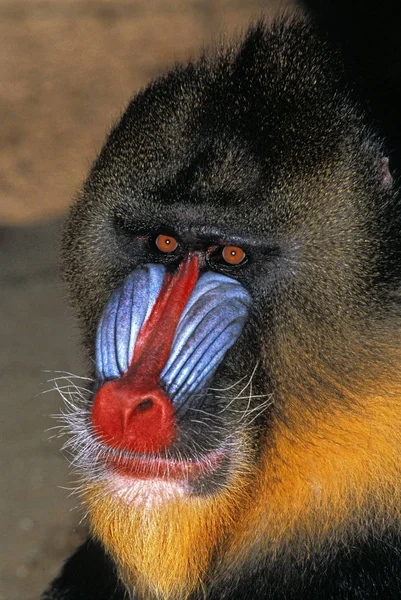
(170, 469)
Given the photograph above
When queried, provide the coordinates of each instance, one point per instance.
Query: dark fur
(369, 571)
(260, 145)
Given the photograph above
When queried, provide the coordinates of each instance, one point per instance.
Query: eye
(233, 255)
(166, 243)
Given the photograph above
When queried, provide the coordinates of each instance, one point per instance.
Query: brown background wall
(67, 68)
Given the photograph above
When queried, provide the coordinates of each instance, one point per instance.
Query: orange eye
(166, 243)
(233, 255)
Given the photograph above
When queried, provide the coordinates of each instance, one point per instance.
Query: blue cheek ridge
(128, 308)
(210, 324)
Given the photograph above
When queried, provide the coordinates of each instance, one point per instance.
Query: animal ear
(386, 177)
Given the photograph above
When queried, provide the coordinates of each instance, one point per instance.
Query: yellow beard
(163, 539)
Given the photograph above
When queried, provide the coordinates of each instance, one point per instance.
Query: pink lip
(150, 467)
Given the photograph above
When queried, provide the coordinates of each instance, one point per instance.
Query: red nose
(138, 420)
(132, 413)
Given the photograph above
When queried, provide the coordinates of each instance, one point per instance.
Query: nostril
(145, 405)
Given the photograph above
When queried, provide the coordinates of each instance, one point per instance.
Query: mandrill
(233, 259)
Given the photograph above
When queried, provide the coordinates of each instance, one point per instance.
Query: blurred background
(67, 69)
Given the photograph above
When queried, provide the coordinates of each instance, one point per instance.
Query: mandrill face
(159, 342)
(227, 259)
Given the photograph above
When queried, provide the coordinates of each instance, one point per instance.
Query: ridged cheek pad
(209, 324)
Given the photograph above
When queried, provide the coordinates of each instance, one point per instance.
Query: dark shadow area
(368, 36)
